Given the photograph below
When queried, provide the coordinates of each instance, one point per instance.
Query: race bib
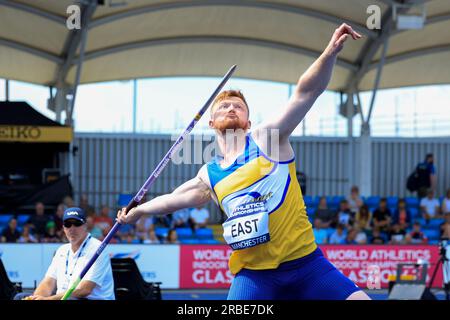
(247, 227)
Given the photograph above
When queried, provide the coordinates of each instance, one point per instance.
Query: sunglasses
(75, 223)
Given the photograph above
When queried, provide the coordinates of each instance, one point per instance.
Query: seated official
(68, 262)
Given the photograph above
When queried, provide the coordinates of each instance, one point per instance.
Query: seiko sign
(20, 132)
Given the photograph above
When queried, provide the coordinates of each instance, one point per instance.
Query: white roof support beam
(31, 50)
(33, 10)
(234, 3)
(213, 39)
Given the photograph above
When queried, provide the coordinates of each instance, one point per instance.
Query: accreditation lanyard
(78, 256)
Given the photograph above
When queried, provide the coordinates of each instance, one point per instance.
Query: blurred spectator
(345, 216)
(95, 231)
(180, 218)
(363, 218)
(199, 218)
(58, 218)
(172, 237)
(351, 236)
(430, 207)
(327, 216)
(361, 236)
(68, 202)
(164, 221)
(39, 221)
(339, 235)
(402, 216)
(416, 236)
(445, 227)
(84, 204)
(151, 237)
(104, 221)
(319, 234)
(11, 234)
(377, 238)
(382, 216)
(397, 234)
(356, 236)
(26, 236)
(143, 226)
(129, 238)
(50, 233)
(354, 200)
(445, 207)
(426, 176)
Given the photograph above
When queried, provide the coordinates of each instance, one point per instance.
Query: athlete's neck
(231, 144)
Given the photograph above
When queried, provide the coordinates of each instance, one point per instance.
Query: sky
(167, 105)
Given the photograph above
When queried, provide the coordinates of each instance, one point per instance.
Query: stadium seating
(308, 201)
(392, 202)
(432, 234)
(22, 219)
(373, 201)
(4, 219)
(161, 232)
(204, 233)
(184, 233)
(124, 199)
(412, 202)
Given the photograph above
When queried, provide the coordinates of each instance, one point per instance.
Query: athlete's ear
(211, 124)
(249, 124)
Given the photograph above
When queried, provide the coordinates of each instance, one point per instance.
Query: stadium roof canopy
(269, 40)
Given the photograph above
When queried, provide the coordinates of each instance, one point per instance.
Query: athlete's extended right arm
(192, 193)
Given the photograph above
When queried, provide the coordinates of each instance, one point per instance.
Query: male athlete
(274, 252)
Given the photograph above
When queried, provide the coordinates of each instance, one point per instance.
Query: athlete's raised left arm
(311, 84)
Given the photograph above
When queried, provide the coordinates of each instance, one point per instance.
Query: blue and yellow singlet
(267, 222)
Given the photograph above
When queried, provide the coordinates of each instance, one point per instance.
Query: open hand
(340, 35)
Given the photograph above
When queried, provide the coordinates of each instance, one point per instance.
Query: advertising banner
(205, 266)
(371, 264)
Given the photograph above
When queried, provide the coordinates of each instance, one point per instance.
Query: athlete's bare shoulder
(204, 177)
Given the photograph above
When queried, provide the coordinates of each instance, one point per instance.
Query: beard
(230, 124)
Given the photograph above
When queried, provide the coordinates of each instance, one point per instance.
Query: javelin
(148, 183)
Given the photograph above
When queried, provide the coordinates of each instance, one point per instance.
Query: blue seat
(412, 202)
(435, 223)
(432, 234)
(310, 212)
(373, 201)
(22, 219)
(4, 219)
(161, 232)
(335, 201)
(392, 201)
(184, 233)
(204, 233)
(316, 201)
(124, 199)
(422, 221)
(308, 201)
(433, 242)
(414, 213)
